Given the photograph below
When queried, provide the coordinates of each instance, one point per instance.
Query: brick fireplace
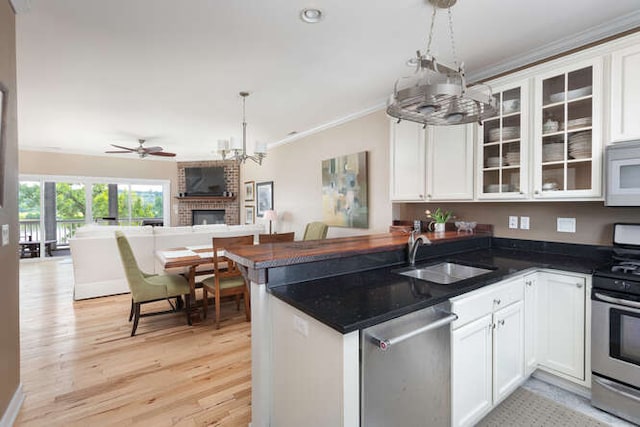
(230, 205)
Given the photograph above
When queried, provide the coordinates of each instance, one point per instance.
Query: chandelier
(437, 94)
(230, 150)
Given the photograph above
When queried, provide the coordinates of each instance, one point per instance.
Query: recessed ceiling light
(311, 15)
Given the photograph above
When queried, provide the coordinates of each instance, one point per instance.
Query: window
(59, 205)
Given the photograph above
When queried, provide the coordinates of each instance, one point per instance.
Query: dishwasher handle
(384, 344)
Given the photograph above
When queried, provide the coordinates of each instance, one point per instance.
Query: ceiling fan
(142, 151)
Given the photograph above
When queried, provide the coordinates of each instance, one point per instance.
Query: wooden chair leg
(217, 299)
(247, 306)
(205, 302)
(237, 302)
(187, 303)
(131, 312)
(136, 318)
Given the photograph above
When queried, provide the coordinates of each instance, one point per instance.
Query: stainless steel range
(615, 328)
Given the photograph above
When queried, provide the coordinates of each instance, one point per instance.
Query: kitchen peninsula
(310, 300)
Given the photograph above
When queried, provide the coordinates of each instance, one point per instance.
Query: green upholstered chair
(150, 287)
(315, 231)
(227, 279)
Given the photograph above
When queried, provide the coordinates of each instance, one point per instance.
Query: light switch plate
(513, 222)
(524, 223)
(5, 234)
(566, 225)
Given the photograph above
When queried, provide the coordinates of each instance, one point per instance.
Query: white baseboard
(562, 383)
(13, 409)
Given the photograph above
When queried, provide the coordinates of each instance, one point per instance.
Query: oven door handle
(619, 301)
(611, 386)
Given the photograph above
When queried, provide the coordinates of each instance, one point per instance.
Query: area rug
(525, 408)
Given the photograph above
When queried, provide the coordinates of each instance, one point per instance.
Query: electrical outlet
(301, 326)
(566, 225)
(513, 222)
(524, 223)
(5, 234)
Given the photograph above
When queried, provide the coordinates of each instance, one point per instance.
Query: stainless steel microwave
(623, 174)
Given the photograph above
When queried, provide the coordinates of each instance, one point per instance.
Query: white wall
(295, 170)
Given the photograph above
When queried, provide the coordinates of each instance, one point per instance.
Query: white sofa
(97, 267)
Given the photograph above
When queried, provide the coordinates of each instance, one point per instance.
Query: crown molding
(329, 125)
(594, 34)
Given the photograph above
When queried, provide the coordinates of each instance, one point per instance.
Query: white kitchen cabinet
(471, 373)
(508, 348)
(450, 162)
(530, 323)
(625, 94)
(487, 349)
(503, 146)
(439, 158)
(561, 319)
(408, 162)
(568, 132)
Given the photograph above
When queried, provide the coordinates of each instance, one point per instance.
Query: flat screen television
(205, 181)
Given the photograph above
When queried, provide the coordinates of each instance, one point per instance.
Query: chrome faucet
(413, 244)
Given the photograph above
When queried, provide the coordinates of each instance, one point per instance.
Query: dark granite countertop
(354, 301)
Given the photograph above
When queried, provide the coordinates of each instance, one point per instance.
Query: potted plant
(439, 218)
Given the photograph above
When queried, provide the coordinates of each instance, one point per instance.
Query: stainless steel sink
(445, 273)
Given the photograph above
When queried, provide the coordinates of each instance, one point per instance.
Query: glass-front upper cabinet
(502, 144)
(568, 153)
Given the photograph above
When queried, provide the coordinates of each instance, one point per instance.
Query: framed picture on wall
(3, 138)
(264, 197)
(249, 215)
(249, 189)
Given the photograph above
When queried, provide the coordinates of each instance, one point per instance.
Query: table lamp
(270, 215)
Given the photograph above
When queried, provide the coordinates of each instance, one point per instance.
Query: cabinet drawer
(476, 304)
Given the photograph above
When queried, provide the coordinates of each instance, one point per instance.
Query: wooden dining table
(189, 258)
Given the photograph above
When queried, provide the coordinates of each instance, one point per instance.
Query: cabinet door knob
(528, 282)
(536, 192)
(501, 322)
(420, 196)
(522, 192)
(578, 285)
(428, 196)
(497, 301)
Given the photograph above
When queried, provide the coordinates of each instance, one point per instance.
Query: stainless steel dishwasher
(405, 370)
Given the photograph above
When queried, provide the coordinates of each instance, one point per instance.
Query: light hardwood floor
(80, 367)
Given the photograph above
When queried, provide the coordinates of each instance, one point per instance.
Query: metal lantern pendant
(437, 94)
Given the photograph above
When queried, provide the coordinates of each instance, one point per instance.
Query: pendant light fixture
(437, 94)
(233, 151)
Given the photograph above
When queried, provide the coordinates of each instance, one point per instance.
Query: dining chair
(147, 288)
(227, 279)
(315, 231)
(276, 238)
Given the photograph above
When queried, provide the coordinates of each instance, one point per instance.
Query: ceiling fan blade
(152, 149)
(127, 151)
(162, 153)
(123, 148)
